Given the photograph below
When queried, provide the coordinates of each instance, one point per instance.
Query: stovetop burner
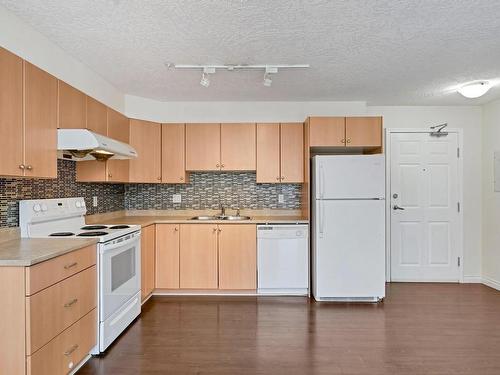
(61, 234)
(92, 234)
(93, 227)
(120, 227)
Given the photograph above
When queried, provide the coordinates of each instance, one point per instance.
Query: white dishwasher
(282, 259)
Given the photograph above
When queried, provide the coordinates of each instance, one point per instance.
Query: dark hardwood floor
(419, 329)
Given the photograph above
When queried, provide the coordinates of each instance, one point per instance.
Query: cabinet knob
(222, 165)
(176, 229)
(282, 177)
(277, 178)
(348, 140)
(214, 230)
(342, 141)
(217, 165)
(219, 230)
(22, 166)
(29, 167)
(182, 178)
(158, 178)
(110, 175)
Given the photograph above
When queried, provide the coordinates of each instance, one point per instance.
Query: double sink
(221, 217)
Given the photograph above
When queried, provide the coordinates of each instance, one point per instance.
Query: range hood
(83, 144)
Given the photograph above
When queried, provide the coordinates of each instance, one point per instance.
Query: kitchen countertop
(24, 252)
(144, 221)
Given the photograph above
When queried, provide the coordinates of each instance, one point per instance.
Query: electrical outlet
(281, 198)
(176, 198)
(94, 201)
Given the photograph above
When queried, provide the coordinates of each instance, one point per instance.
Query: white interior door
(424, 207)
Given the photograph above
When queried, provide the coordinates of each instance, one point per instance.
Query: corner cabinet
(280, 153)
(220, 147)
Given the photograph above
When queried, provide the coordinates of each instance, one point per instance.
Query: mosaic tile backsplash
(208, 190)
(110, 196)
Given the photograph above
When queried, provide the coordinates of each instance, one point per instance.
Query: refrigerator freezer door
(349, 177)
(349, 249)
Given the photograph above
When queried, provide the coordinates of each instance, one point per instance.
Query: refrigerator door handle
(321, 181)
(321, 219)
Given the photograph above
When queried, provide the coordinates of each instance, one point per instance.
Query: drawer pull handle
(71, 350)
(68, 266)
(71, 303)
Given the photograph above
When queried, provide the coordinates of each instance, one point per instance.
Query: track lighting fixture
(206, 70)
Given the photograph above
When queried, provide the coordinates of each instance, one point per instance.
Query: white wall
(21, 39)
(491, 200)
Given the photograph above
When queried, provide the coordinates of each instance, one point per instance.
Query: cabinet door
(173, 153)
(11, 118)
(292, 153)
(119, 129)
(97, 116)
(167, 256)
(198, 256)
(237, 256)
(363, 131)
(268, 153)
(237, 147)
(202, 147)
(327, 131)
(118, 126)
(147, 261)
(72, 107)
(91, 171)
(40, 123)
(145, 137)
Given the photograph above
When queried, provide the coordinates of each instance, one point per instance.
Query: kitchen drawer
(65, 351)
(54, 309)
(47, 273)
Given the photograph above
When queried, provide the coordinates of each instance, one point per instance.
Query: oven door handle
(125, 243)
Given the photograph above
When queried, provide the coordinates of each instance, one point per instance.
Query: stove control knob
(78, 204)
(37, 208)
(44, 207)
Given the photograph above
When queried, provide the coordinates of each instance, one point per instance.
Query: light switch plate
(176, 198)
(281, 198)
(94, 201)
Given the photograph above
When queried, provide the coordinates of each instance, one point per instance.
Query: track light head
(205, 80)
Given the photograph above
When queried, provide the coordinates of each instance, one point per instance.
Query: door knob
(396, 207)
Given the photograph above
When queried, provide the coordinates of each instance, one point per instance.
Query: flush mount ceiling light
(206, 70)
(474, 89)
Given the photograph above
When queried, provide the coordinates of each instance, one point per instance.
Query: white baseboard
(491, 283)
(472, 280)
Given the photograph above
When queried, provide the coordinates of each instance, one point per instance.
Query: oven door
(120, 272)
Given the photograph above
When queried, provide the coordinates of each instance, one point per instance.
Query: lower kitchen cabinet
(167, 256)
(237, 256)
(147, 261)
(198, 256)
(50, 324)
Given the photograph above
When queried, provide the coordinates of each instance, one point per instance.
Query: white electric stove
(118, 258)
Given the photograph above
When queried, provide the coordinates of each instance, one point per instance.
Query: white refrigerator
(348, 241)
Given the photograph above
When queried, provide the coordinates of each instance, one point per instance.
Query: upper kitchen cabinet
(118, 126)
(40, 122)
(268, 153)
(11, 119)
(97, 116)
(72, 107)
(202, 147)
(220, 147)
(237, 147)
(280, 153)
(145, 137)
(29, 119)
(363, 131)
(173, 153)
(327, 131)
(292, 152)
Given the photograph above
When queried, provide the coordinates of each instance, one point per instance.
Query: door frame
(460, 166)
